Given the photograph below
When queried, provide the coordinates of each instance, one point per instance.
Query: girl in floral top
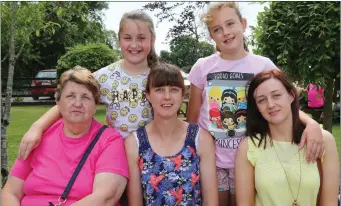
(171, 162)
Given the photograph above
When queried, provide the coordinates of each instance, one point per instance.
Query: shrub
(90, 56)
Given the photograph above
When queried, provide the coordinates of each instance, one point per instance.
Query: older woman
(43, 176)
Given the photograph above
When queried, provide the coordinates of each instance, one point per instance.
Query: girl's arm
(208, 173)
(107, 190)
(12, 192)
(244, 176)
(312, 137)
(330, 172)
(195, 102)
(134, 188)
(32, 137)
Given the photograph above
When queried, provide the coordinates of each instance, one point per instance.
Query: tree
(91, 56)
(112, 40)
(185, 51)
(303, 38)
(185, 22)
(30, 16)
(22, 19)
(78, 23)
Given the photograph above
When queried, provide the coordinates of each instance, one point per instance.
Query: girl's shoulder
(208, 59)
(204, 63)
(109, 68)
(328, 138)
(261, 60)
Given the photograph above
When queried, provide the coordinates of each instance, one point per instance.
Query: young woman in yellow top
(270, 170)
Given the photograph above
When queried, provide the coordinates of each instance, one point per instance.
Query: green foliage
(185, 22)
(80, 23)
(90, 56)
(185, 51)
(303, 38)
(30, 20)
(65, 25)
(112, 39)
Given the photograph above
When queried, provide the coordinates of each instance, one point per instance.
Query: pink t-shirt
(49, 167)
(223, 110)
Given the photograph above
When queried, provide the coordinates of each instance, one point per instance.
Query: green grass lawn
(22, 118)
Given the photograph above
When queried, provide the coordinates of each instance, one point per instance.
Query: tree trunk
(6, 111)
(336, 98)
(1, 93)
(327, 111)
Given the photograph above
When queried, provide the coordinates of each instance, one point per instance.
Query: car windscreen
(47, 75)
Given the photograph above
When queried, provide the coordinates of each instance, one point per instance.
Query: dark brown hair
(164, 74)
(256, 124)
(138, 15)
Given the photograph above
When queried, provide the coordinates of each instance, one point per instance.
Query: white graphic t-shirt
(224, 107)
(125, 99)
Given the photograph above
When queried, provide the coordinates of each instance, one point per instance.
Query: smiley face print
(141, 123)
(102, 78)
(115, 85)
(132, 118)
(113, 66)
(124, 111)
(104, 91)
(124, 127)
(110, 96)
(144, 83)
(125, 80)
(145, 113)
(114, 115)
(133, 86)
(133, 104)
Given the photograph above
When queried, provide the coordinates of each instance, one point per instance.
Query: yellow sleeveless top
(271, 184)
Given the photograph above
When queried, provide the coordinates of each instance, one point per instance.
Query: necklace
(295, 203)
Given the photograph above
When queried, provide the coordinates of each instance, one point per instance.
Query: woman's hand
(30, 141)
(32, 137)
(312, 137)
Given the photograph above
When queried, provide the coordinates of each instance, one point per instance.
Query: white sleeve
(197, 140)
(137, 140)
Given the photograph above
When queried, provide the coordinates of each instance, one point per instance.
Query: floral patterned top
(170, 180)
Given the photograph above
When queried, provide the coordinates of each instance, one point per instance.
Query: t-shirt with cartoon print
(224, 107)
(124, 96)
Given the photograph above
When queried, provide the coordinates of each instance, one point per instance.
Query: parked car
(45, 84)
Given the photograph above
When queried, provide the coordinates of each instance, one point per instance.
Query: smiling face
(228, 100)
(136, 41)
(273, 101)
(76, 104)
(165, 100)
(226, 29)
(213, 99)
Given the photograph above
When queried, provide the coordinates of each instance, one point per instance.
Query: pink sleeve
(22, 168)
(113, 157)
(195, 75)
